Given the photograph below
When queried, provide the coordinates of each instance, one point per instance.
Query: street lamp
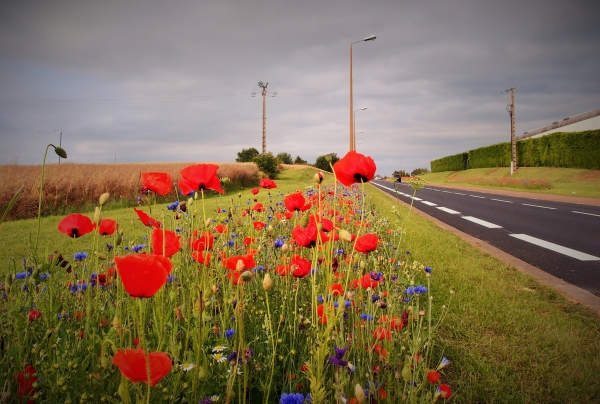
(352, 145)
(353, 139)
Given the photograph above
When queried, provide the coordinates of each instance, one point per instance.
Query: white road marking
(538, 206)
(458, 193)
(482, 222)
(429, 203)
(555, 247)
(583, 213)
(448, 192)
(452, 212)
(475, 196)
(501, 200)
(416, 199)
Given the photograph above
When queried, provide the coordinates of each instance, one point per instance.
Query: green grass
(564, 181)
(510, 339)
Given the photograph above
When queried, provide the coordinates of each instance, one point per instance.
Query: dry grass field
(77, 185)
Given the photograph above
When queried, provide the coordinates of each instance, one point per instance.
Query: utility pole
(513, 139)
(264, 120)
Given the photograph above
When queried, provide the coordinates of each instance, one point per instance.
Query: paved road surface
(562, 239)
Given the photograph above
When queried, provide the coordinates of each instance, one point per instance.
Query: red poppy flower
(172, 245)
(296, 202)
(107, 227)
(267, 183)
(133, 364)
(396, 323)
(309, 236)
(378, 349)
(445, 391)
(102, 279)
(433, 376)
(158, 182)
(25, 380)
(300, 267)
(234, 277)
(366, 243)
(326, 224)
(221, 229)
(259, 225)
(382, 333)
(200, 177)
(76, 225)
(143, 274)
(247, 261)
(321, 313)
(259, 207)
(354, 167)
(34, 314)
(201, 257)
(254, 191)
(283, 270)
(147, 220)
(288, 215)
(248, 241)
(204, 242)
(366, 281)
(336, 289)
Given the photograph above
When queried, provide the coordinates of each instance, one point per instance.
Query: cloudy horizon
(172, 81)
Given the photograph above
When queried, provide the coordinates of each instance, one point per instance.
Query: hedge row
(563, 149)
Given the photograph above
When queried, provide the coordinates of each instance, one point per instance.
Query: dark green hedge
(563, 149)
(450, 163)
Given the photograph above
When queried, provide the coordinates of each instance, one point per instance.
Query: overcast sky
(172, 80)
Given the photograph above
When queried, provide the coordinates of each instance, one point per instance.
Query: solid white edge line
(482, 222)
(583, 213)
(556, 248)
(538, 206)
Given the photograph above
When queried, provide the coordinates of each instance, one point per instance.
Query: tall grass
(73, 186)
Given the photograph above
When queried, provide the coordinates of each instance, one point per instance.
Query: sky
(165, 81)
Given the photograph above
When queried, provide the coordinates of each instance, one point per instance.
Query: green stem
(37, 238)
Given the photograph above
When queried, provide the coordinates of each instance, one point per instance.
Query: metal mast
(513, 138)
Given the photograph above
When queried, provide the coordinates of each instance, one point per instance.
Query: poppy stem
(203, 208)
(37, 238)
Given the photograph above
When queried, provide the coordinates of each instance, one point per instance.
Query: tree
(246, 155)
(322, 162)
(419, 171)
(300, 161)
(285, 158)
(267, 163)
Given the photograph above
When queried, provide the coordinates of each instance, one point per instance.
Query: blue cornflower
(428, 270)
(278, 243)
(375, 297)
(44, 276)
(109, 247)
(336, 304)
(291, 398)
(229, 333)
(338, 358)
(80, 256)
(231, 243)
(173, 206)
(260, 268)
(178, 230)
(138, 247)
(22, 275)
(366, 317)
(347, 303)
(320, 298)
(407, 252)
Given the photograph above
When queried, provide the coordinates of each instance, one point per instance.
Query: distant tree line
(268, 163)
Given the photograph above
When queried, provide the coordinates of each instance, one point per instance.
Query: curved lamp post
(352, 143)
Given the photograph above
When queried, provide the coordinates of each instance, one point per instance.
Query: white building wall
(588, 124)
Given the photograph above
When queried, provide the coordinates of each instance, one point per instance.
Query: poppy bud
(345, 235)
(208, 222)
(318, 177)
(104, 198)
(215, 289)
(9, 280)
(246, 276)
(202, 374)
(198, 306)
(285, 248)
(328, 157)
(270, 228)
(267, 282)
(239, 266)
(62, 153)
(190, 201)
(359, 393)
(196, 195)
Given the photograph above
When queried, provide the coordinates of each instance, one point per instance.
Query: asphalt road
(562, 239)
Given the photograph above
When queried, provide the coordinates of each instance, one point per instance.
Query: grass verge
(562, 181)
(510, 339)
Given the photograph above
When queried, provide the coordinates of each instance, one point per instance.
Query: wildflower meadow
(272, 297)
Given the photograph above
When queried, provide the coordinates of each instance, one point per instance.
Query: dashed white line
(501, 200)
(482, 222)
(476, 196)
(452, 212)
(458, 193)
(448, 192)
(538, 206)
(415, 198)
(429, 203)
(583, 213)
(557, 248)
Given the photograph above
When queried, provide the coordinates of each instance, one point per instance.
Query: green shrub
(267, 163)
